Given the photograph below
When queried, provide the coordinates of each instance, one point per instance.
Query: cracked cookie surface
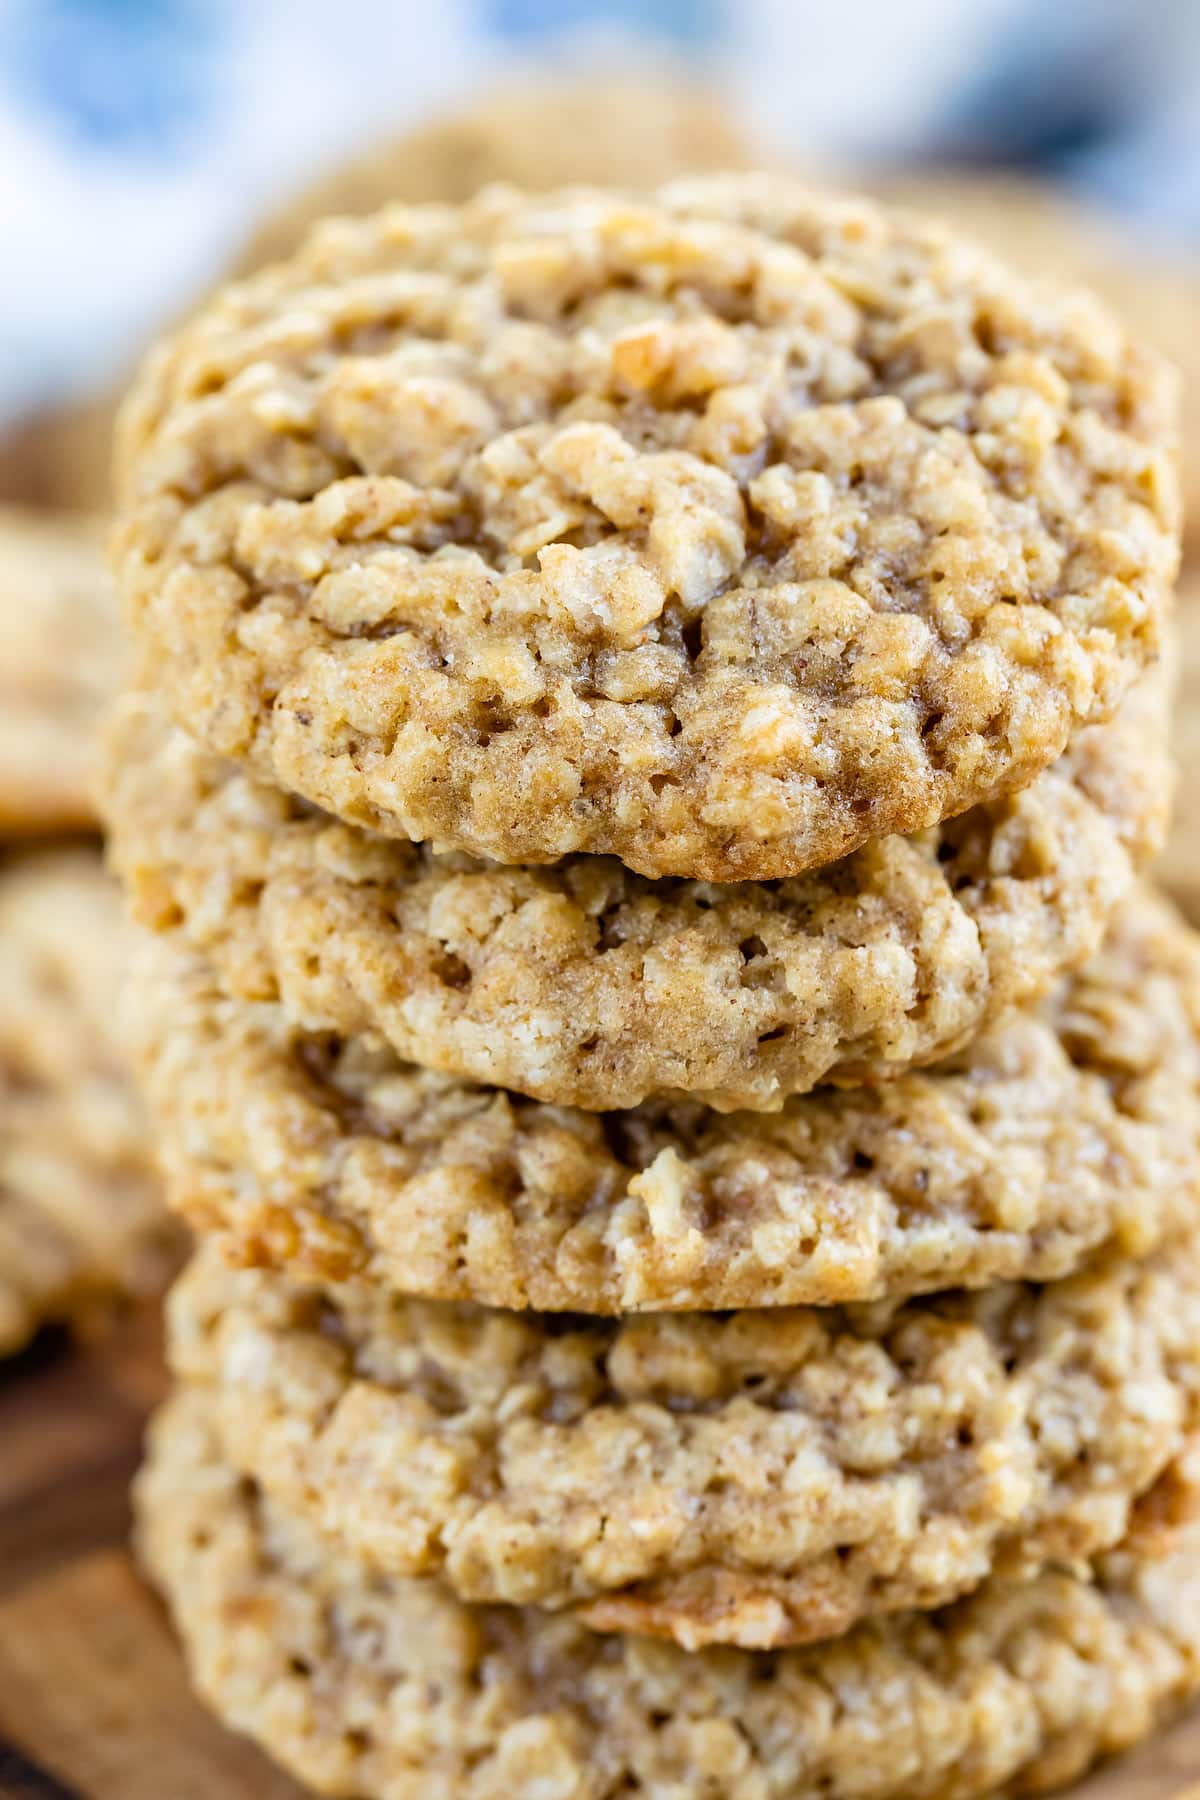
(1055, 1133)
(586, 985)
(395, 1690)
(722, 530)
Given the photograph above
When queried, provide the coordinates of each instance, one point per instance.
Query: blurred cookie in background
(1047, 230)
(60, 663)
(59, 459)
(81, 1219)
(541, 135)
(1178, 869)
(81, 1216)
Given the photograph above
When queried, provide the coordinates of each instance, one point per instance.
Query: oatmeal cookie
(722, 530)
(81, 1215)
(756, 1478)
(372, 1686)
(1057, 1132)
(60, 663)
(585, 985)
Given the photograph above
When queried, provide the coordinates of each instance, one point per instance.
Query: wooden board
(94, 1701)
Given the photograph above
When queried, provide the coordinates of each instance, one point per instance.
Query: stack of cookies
(651, 713)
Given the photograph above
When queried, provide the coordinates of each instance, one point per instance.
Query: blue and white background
(139, 138)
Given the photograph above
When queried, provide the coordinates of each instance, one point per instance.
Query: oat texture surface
(585, 985)
(757, 1478)
(1057, 1132)
(394, 1690)
(721, 530)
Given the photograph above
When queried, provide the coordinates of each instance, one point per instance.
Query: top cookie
(720, 531)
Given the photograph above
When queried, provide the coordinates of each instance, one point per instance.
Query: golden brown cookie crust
(381, 1688)
(585, 985)
(722, 530)
(81, 1214)
(60, 665)
(1056, 1133)
(756, 1478)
